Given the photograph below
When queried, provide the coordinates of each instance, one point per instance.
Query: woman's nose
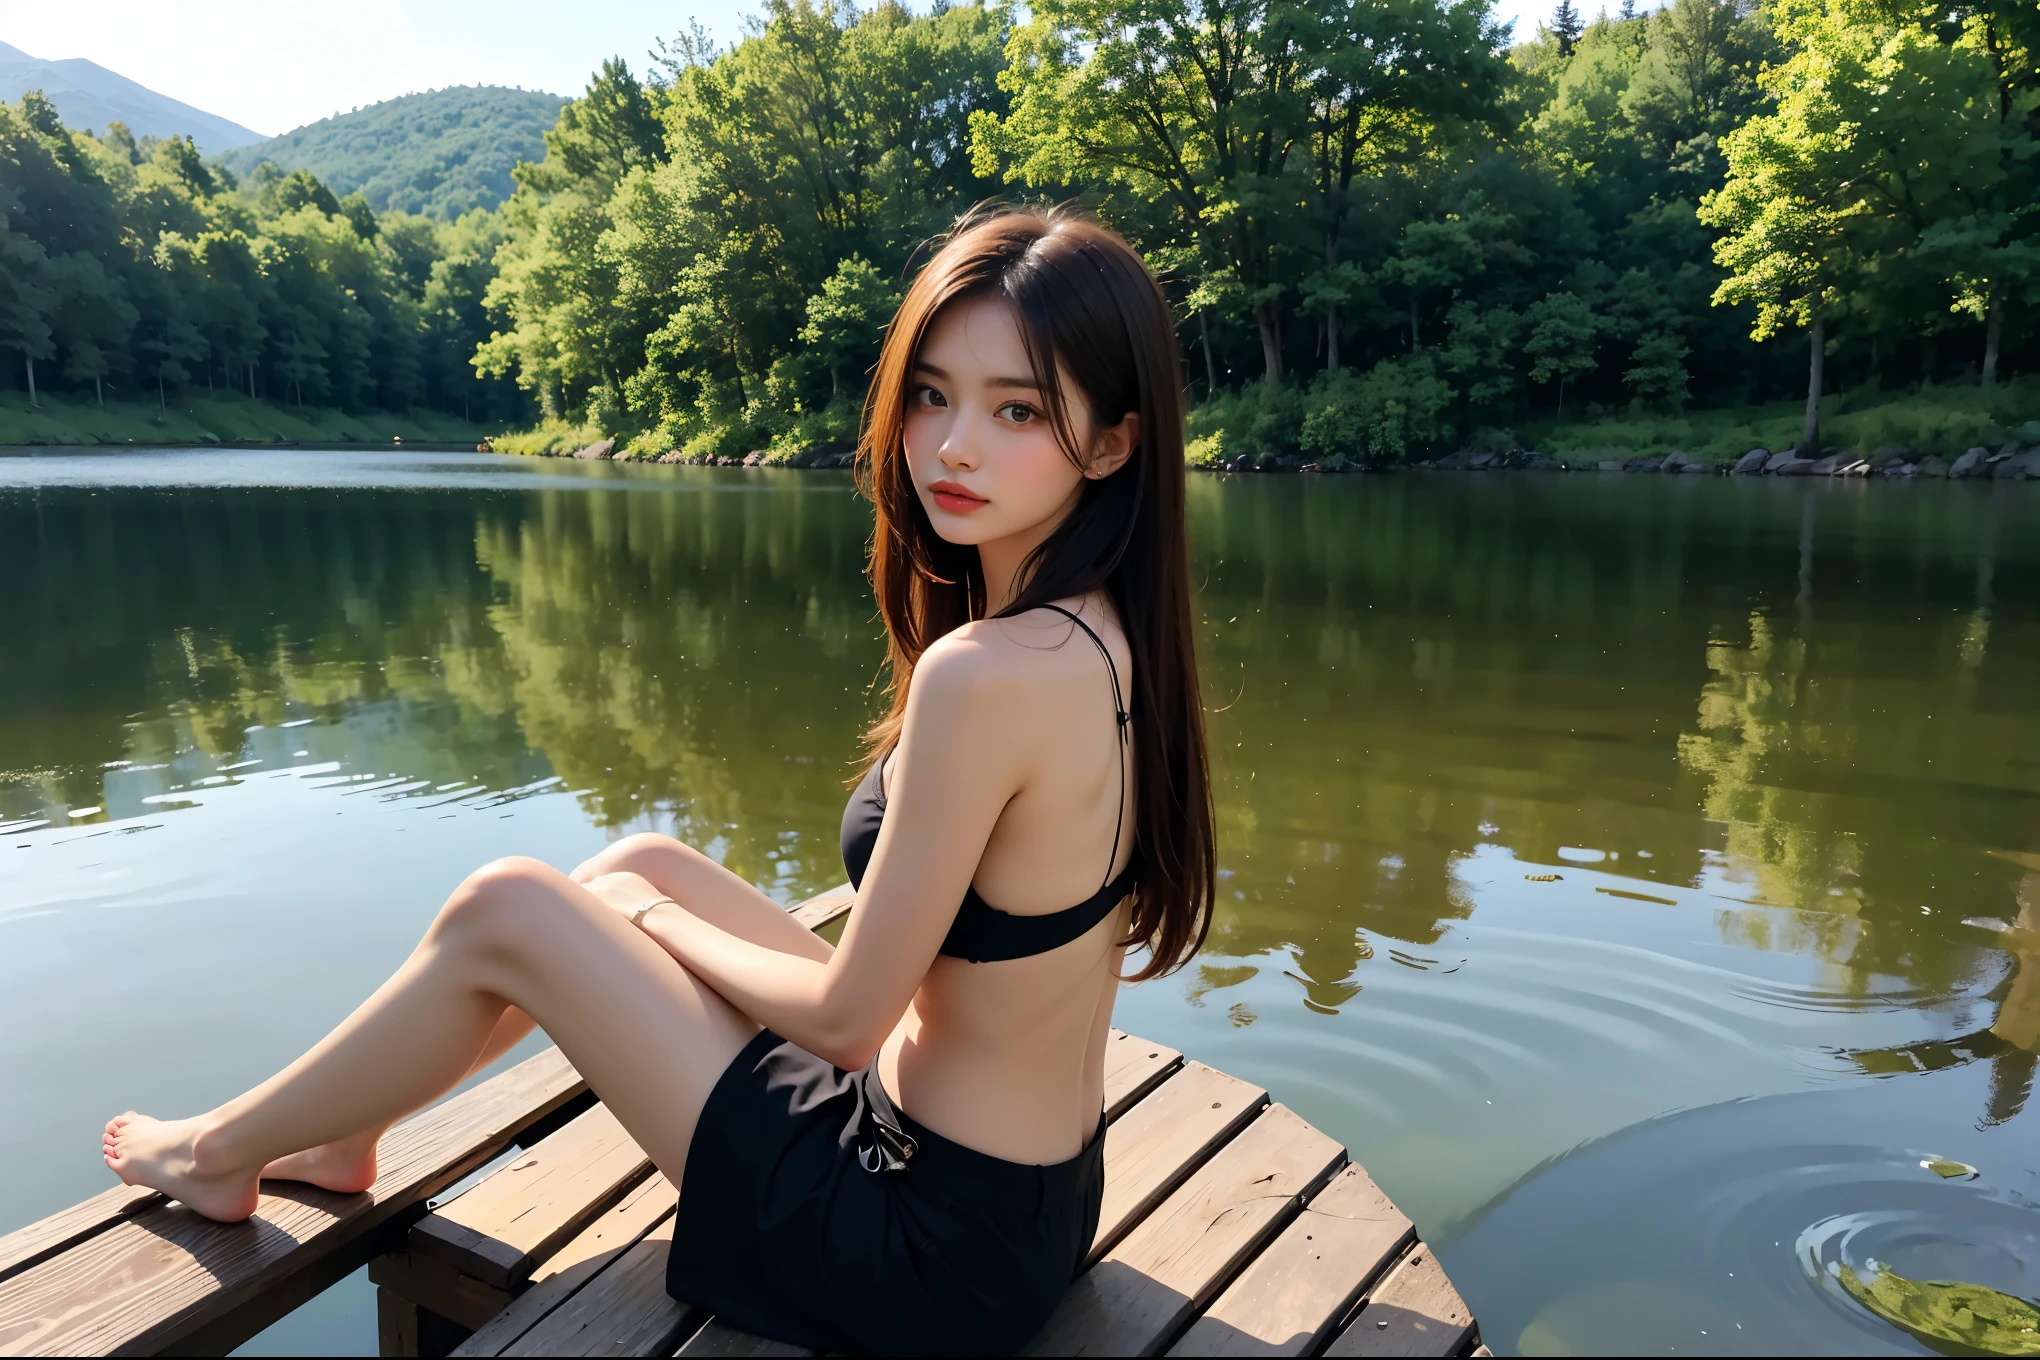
(959, 446)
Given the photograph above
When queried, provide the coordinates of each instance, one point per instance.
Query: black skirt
(813, 1211)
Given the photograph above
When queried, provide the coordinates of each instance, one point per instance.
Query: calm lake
(1640, 875)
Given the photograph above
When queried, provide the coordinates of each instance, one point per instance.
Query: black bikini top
(981, 932)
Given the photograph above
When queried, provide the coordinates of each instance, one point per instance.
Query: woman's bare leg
(676, 869)
(639, 1027)
(348, 1164)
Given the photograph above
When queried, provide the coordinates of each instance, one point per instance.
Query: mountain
(87, 95)
(439, 153)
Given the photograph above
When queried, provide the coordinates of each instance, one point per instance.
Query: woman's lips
(956, 499)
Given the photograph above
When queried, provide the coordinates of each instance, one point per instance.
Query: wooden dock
(1230, 1227)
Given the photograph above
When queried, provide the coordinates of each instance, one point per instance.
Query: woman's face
(979, 441)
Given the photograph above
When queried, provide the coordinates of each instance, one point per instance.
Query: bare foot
(162, 1154)
(346, 1165)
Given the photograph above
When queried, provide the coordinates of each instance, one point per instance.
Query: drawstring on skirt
(882, 1145)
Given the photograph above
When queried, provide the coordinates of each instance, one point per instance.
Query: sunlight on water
(1641, 876)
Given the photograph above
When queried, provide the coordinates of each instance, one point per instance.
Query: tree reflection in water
(1402, 671)
(1825, 715)
(695, 661)
(2011, 1042)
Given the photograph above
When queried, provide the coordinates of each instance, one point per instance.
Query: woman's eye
(1017, 413)
(928, 396)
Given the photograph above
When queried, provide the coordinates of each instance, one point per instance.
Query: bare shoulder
(1039, 656)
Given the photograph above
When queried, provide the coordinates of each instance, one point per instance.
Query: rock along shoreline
(2007, 462)
(2013, 462)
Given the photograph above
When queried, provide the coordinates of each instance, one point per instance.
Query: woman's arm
(963, 753)
(642, 868)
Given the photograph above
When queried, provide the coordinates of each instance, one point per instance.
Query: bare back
(1007, 1056)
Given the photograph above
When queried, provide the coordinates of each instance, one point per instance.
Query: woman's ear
(1112, 447)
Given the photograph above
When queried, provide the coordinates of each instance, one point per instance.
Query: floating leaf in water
(1952, 1317)
(1948, 1170)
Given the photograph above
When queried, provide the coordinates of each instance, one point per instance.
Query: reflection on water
(1640, 876)
(693, 660)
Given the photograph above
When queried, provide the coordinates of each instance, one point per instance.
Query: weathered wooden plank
(402, 1328)
(1415, 1311)
(436, 1285)
(824, 907)
(721, 1339)
(165, 1274)
(1133, 1067)
(1156, 1144)
(568, 1270)
(1180, 1255)
(529, 1206)
(396, 1324)
(44, 1238)
(624, 1310)
(1291, 1296)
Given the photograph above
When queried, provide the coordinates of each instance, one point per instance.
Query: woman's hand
(628, 893)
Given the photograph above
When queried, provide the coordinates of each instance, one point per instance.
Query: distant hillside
(87, 95)
(439, 153)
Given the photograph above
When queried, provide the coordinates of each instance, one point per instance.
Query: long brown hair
(1080, 294)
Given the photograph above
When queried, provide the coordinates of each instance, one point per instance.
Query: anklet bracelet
(638, 917)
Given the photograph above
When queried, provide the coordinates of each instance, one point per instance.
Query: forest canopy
(134, 266)
(438, 154)
(1387, 227)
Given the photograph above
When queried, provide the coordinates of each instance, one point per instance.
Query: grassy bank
(225, 417)
(558, 438)
(1945, 420)
(1375, 420)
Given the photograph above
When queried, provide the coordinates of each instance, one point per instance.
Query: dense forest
(1387, 230)
(135, 267)
(438, 154)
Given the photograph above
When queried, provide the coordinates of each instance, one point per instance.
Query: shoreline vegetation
(1933, 434)
(200, 419)
(1393, 232)
(1861, 426)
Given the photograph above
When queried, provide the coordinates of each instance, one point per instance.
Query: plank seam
(1366, 1296)
(1178, 1176)
(1145, 1089)
(1274, 1229)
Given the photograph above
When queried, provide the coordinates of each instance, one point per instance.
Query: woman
(895, 1144)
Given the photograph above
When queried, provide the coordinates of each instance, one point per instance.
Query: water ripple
(1757, 1227)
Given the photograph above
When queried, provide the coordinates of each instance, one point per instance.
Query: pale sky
(274, 66)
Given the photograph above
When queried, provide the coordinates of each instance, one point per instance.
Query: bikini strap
(1120, 713)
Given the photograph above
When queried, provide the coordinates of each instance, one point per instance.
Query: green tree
(847, 318)
(1197, 105)
(92, 323)
(26, 300)
(1383, 84)
(1561, 340)
(1566, 26)
(1787, 208)
(829, 137)
(609, 131)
